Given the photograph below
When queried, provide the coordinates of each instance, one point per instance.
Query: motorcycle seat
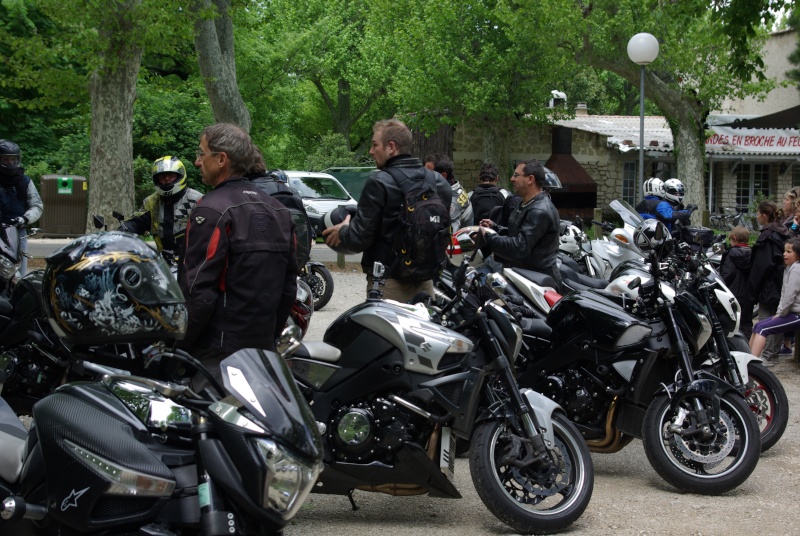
(543, 280)
(318, 350)
(568, 273)
(536, 327)
(12, 443)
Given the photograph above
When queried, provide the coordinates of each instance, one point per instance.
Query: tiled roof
(623, 133)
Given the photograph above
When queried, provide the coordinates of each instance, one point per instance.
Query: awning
(785, 119)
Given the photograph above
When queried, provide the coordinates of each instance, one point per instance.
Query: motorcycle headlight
(289, 478)
(7, 268)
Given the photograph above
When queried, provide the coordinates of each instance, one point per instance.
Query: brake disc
(706, 453)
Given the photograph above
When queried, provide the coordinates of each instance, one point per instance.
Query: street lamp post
(642, 50)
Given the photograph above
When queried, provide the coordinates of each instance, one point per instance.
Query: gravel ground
(629, 498)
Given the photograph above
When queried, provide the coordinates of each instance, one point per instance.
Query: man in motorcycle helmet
(20, 203)
(660, 205)
(165, 213)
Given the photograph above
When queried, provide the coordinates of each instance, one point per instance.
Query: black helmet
(278, 175)
(335, 217)
(651, 235)
(111, 287)
(9, 155)
(551, 181)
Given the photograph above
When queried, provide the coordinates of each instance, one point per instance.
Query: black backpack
(423, 237)
(483, 200)
(292, 201)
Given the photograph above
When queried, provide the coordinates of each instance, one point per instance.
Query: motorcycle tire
(711, 468)
(766, 397)
(321, 282)
(525, 499)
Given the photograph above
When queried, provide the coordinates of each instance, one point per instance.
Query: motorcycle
(575, 244)
(624, 369)
(393, 390)
(319, 279)
(607, 254)
(134, 455)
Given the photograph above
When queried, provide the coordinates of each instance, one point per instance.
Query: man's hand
(486, 223)
(332, 235)
(19, 221)
(691, 207)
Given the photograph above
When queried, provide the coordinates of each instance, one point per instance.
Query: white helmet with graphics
(673, 190)
(654, 186)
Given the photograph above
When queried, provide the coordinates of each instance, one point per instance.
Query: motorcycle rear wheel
(527, 501)
(709, 468)
(765, 395)
(321, 282)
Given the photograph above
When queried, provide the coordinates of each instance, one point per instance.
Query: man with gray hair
(377, 223)
(240, 277)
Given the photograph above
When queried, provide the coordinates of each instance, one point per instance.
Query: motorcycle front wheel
(532, 499)
(321, 282)
(708, 466)
(765, 395)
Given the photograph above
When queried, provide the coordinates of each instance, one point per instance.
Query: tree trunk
(112, 89)
(215, 53)
(440, 142)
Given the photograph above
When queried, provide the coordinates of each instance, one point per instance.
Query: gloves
(19, 221)
(691, 207)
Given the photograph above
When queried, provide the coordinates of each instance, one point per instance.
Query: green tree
(702, 60)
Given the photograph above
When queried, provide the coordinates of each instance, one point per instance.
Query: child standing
(735, 271)
(787, 317)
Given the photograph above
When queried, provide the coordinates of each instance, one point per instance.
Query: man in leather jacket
(531, 238)
(240, 267)
(373, 228)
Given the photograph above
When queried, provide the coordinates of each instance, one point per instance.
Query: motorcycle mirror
(98, 221)
(659, 236)
(635, 282)
(289, 340)
(578, 222)
(460, 275)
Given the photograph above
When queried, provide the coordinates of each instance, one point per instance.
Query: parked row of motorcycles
(499, 364)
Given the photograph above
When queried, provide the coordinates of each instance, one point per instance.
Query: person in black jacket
(531, 238)
(735, 271)
(240, 268)
(373, 228)
(766, 272)
(487, 194)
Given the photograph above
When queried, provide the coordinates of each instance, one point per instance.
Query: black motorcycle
(319, 279)
(624, 369)
(138, 456)
(393, 390)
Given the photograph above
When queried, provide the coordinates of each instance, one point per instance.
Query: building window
(751, 179)
(629, 178)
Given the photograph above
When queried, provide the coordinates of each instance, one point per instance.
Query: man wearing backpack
(486, 194)
(531, 239)
(378, 226)
(274, 183)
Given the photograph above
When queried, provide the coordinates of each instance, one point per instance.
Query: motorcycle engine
(371, 430)
(29, 372)
(585, 401)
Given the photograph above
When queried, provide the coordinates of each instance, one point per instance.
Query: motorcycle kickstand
(352, 500)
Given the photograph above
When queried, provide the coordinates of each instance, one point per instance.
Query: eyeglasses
(201, 154)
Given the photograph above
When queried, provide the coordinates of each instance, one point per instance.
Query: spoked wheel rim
(537, 490)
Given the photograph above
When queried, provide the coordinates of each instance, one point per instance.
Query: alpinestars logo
(72, 499)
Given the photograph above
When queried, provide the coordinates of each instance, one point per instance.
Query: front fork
(214, 519)
(541, 437)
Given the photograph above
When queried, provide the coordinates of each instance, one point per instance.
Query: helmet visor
(11, 161)
(151, 283)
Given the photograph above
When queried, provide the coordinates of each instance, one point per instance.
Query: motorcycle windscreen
(626, 212)
(261, 381)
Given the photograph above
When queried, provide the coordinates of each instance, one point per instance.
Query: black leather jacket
(372, 230)
(532, 237)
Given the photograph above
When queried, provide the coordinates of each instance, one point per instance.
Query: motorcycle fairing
(422, 343)
(12, 443)
(262, 382)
